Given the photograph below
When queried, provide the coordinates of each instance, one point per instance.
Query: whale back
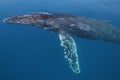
(75, 25)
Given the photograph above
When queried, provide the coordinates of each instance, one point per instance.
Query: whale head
(42, 19)
(30, 19)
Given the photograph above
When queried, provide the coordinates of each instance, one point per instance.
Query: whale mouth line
(8, 20)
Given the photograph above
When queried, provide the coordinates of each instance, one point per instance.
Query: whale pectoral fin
(70, 50)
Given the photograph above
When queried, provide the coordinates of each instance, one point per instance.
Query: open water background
(28, 53)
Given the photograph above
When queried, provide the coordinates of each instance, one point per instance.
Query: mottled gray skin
(66, 25)
(74, 25)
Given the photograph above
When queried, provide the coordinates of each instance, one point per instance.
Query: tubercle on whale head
(41, 19)
(35, 18)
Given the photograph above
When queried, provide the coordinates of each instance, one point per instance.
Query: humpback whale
(66, 26)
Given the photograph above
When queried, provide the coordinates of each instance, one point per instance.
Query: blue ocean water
(28, 53)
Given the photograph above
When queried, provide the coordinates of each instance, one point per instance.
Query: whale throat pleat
(70, 50)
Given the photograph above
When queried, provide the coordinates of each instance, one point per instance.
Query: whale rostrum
(66, 26)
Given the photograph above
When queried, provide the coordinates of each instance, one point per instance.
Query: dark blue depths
(28, 53)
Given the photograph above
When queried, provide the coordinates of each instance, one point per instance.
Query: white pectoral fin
(70, 50)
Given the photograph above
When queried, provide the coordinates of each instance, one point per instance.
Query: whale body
(66, 26)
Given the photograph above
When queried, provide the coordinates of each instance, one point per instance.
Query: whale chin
(14, 20)
(8, 20)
